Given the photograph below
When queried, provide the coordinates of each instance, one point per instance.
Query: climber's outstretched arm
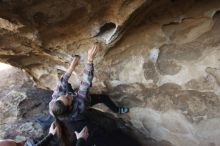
(64, 78)
(86, 82)
(73, 64)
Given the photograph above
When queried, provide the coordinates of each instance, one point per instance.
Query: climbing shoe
(123, 109)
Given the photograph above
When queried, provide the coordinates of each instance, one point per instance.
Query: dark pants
(101, 98)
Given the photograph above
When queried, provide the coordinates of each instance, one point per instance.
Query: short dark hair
(59, 108)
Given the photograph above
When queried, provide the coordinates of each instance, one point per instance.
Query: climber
(65, 99)
(81, 138)
(68, 105)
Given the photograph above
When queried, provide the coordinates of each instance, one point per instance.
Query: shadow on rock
(107, 130)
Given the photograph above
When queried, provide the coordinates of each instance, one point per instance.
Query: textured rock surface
(184, 117)
(174, 96)
(19, 103)
(23, 107)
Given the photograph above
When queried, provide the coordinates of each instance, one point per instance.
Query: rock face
(19, 103)
(159, 57)
(24, 114)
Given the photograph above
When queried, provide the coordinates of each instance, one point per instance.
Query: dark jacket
(45, 141)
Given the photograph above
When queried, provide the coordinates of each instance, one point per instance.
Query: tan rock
(174, 97)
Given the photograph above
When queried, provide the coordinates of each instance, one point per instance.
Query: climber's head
(62, 105)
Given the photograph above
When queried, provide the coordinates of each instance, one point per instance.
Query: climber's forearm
(71, 68)
(73, 65)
